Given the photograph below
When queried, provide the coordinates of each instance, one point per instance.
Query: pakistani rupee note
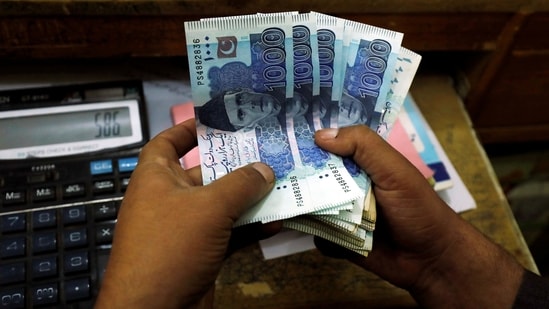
(243, 85)
(403, 74)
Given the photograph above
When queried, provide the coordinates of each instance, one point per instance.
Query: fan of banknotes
(262, 85)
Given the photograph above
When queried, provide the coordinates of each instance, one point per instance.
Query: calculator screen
(69, 129)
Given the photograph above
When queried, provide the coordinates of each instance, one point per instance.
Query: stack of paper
(428, 156)
(410, 137)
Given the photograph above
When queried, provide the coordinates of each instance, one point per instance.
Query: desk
(310, 280)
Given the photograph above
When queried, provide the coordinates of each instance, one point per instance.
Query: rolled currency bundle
(262, 84)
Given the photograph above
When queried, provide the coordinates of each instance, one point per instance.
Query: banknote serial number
(339, 178)
(294, 183)
(198, 62)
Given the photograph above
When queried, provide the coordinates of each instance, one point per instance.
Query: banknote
(228, 70)
(407, 63)
(330, 48)
(405, 69)
(243, 87)
(371, 54)
(369, 213)
(403, 74)
(371, 58)
(366, 52)
(360, 240)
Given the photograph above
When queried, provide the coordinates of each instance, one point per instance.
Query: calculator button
(12, 273)
(13, 223)
(13, 197)
(104, 233)
(77, 289)
(75, 238)
(105, 211)
(44, 294)
(12, 247)
(42, 194)
(44, 242)
(74, 190)
(44, 267)
(127, 164)
(44, 218)
(101, 167)
(74, 214)
(103, 186)
(13, 298)
(76, 261)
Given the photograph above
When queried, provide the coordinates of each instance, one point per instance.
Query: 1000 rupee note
(248, 62)
(370, 56)
(403, 74)
(401, 80)
(404, 71)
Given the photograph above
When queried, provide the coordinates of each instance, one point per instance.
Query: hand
(421, 244)
(172, 233)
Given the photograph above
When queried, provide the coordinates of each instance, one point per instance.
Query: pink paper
(398, 138)
(180, 113)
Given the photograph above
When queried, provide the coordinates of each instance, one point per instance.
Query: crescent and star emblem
(226, 47)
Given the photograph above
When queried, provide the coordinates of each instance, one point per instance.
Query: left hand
(172, 233)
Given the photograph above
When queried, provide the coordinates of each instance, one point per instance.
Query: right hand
(421, 244)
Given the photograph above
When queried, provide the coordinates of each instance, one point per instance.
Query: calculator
(66, 156)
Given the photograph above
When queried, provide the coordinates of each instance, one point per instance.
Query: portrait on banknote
(238, 108)
(352, 111)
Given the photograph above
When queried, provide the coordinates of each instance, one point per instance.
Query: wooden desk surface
(309, 280)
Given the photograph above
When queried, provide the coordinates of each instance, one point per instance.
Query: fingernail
(265, 170)
(329, 133)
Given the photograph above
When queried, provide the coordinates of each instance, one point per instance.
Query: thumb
(387, 168)
(239, 190)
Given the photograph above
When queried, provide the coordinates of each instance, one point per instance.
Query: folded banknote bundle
(262, 84)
